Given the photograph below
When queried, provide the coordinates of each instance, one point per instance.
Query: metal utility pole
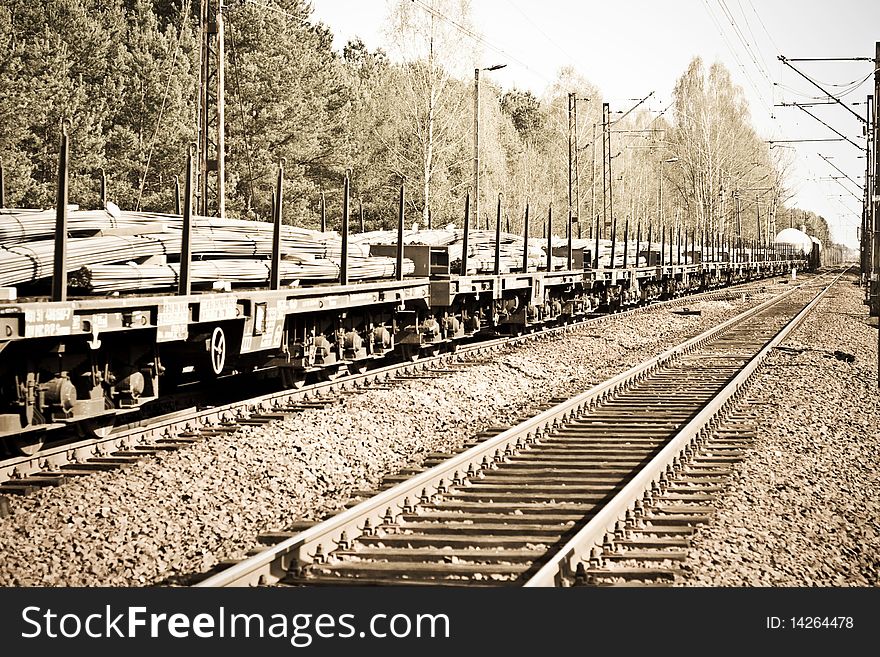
(593, 179)
(477, 145)
(211, 143)
(476, 214)
(660, 194)
(571, 110)
(606, 166)
(875, 201)
(771, 221)
(867, 225)
(577, 168)
(574, 196)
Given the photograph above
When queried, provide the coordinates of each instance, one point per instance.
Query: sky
(632, 47)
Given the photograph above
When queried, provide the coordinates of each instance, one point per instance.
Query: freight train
(88, 361)
(797, 242)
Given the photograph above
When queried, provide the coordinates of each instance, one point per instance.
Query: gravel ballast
(182, 512)
(804, 508)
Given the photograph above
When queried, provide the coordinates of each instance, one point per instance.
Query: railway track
(55, 464)
(588, 491)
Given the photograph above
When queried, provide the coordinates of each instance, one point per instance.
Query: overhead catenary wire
(746, 44)
(754, 38)
(829, 95)
(834, 130)
(764, 104)
(478, 38)
(761, 21)
(551, 41)
(277, 10)
(184, 16)
(241, 113)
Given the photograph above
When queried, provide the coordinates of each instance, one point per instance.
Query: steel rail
(562, 567)
(270, 565)
(165, 426)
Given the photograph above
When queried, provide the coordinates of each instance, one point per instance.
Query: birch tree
(429, 96)
(722, 162)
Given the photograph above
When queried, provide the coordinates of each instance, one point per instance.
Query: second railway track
(532, 505)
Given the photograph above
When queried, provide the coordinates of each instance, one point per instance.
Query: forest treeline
(123, 75)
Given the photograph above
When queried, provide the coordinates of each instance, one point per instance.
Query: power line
(736, 57)
(277, 10)
(831, 96)
(837, 132)
(184, 14)
(747, 47)
(244, 130)
(838, 168)
(749, 26)
(553, 42)
(478, 38)
(769, 36)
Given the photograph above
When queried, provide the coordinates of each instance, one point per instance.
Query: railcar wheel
(357, 368)
(218, 350)
(99, 427)
(332, 372)
(292, 378)
(28, 444)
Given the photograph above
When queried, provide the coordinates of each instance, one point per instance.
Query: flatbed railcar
(86, 361)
